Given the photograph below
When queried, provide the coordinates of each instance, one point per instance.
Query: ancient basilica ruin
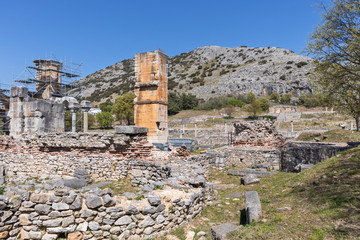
(59, 177)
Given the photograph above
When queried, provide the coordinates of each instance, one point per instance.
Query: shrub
(311, 100)
(262, 62)
(104, 119)
(275, 97)
(178, 102)
(124, 107)
(282, 77)
(286, 98)
(264, 103)
(300, 64)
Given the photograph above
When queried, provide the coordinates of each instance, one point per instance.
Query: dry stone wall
(295, 153)
(236, 156)
(95, 215)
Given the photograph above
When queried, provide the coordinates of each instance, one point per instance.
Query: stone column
(85, 107)
(195, 130)
(292, 126)
(74, 107)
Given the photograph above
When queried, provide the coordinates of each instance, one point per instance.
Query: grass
(324, 201)
(120, 186)
(331, 136)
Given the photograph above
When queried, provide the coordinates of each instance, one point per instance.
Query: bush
(311, 100)
(235, 102)
(124, 107)
(264, 103)
(250, 97)
(300, 64)
(178, 102)
(262, 62)
(106, 106)
(286, 98)
(91, 120)
(275, 97)
(282, 77)
(104, 119)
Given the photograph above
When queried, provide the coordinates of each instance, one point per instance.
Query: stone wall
(95, 215)
(30, 115)
(295, 153)
(236, 156)
(103, 156)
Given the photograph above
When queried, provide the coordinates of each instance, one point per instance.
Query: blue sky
(101, 33)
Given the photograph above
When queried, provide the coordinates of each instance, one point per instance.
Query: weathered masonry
(151, 95)
(33, 115)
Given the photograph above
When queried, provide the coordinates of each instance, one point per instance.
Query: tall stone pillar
(74, 107)
(151, 91)
(85, 107)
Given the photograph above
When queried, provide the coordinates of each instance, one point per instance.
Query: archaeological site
(192, 177)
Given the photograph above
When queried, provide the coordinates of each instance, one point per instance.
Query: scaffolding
(49, 78)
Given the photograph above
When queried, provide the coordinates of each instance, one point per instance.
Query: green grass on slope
(324, 201)
(331, 136)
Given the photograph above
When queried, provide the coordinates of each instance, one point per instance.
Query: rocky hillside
(213, 71)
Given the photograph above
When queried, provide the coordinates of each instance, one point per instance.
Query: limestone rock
(219, 232)
(75, 236)
(48, 236)
(93, 201)
(249, 179)
(60, 206)
(147, 222)
(42, 209)
(154, 200)
(82, 227)
(131, 210)
(4, 234)
(125, 220)
(252, 206)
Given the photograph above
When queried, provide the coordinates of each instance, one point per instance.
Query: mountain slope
(213, 71)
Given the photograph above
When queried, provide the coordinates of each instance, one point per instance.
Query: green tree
(188, 101)
(253, 108)
(124, 107)
(286, 98)
(235, 102)
(174, 104)
(250, 97)
(106, 106)
(91, 120)
(275, 97)
(104, 119)
(335, 44)
(178, 102)
(264, 103)
(229, 110)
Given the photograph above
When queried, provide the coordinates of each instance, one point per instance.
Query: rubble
(257, 133)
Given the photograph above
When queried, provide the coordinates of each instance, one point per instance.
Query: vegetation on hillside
(323, 203)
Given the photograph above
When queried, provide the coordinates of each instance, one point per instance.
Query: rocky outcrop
(213, 71)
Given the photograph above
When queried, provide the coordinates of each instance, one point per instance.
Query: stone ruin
(33, 115)
(257, 133)
(152, 95)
